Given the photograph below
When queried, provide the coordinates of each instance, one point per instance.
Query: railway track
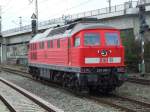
(123, 103)
(4, 106)
(119, 102)
(139, 81)
(18, 99)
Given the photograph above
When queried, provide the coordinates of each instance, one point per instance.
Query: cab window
(77, 42)
(112, 39)
(91, 39)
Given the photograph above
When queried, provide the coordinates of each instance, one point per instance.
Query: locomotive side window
(91, 39)
(34, 46)
(41, 45)
(77, 42)
(49, 44)
(30, 46)
(58, 43)
(112, 39)
(52, 44)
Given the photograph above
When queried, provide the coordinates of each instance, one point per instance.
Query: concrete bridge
(124, 16)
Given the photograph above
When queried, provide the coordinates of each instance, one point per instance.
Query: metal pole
(109, 1)
(36, 11)
(1, 52)
(142, 54)
(0, 21)
(143, 28)
(20, 22)
(1, 35)
(36, 8)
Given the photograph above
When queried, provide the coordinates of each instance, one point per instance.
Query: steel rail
(135, 101)
(9, 106)
(125, 99)
(93, 98)
(99, 100)
(45, 105)
(139, 81)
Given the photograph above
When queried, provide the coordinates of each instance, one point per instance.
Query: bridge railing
(102, 11)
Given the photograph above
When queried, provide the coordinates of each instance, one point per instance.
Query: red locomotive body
(81, 55)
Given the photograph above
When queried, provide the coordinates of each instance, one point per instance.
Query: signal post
(34, 25)
(143, 28)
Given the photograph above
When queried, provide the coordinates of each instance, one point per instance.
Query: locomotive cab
(100, 54)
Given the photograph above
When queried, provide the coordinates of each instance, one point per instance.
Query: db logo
(104, 52)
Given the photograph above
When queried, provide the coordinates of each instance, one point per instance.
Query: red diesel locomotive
(82, 55)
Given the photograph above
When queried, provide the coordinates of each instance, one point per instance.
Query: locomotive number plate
(102, 60)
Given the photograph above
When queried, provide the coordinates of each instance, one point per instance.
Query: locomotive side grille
(58, 31)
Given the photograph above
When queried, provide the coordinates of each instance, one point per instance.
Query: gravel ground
(65, 101)
(136, 91)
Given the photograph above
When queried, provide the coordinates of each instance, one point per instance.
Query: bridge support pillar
(3, 51)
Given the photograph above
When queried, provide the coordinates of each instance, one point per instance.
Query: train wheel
(36, 77)
(41, 78)
(65, 81)
(77, 87)
(106, 88)
(71, 81)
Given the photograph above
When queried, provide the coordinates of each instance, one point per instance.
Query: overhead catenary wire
(7, 6)
(11, 7)
(73, 7)
(26, 7)
(23, 8)
(30, 2)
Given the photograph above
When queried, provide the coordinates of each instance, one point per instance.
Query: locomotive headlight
(104, 53)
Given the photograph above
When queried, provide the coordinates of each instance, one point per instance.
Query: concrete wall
(19, 38)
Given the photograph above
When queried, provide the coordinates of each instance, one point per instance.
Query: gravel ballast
(21, 102)
(64, 100)
(135, 91)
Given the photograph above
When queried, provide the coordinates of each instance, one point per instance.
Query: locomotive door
(35, 52)
(69, 51)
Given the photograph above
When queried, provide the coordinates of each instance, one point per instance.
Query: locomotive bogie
(105, 81)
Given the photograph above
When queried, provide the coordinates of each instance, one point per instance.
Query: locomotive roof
(68, 30)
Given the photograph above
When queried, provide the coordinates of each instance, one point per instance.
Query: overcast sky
(13, 9)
